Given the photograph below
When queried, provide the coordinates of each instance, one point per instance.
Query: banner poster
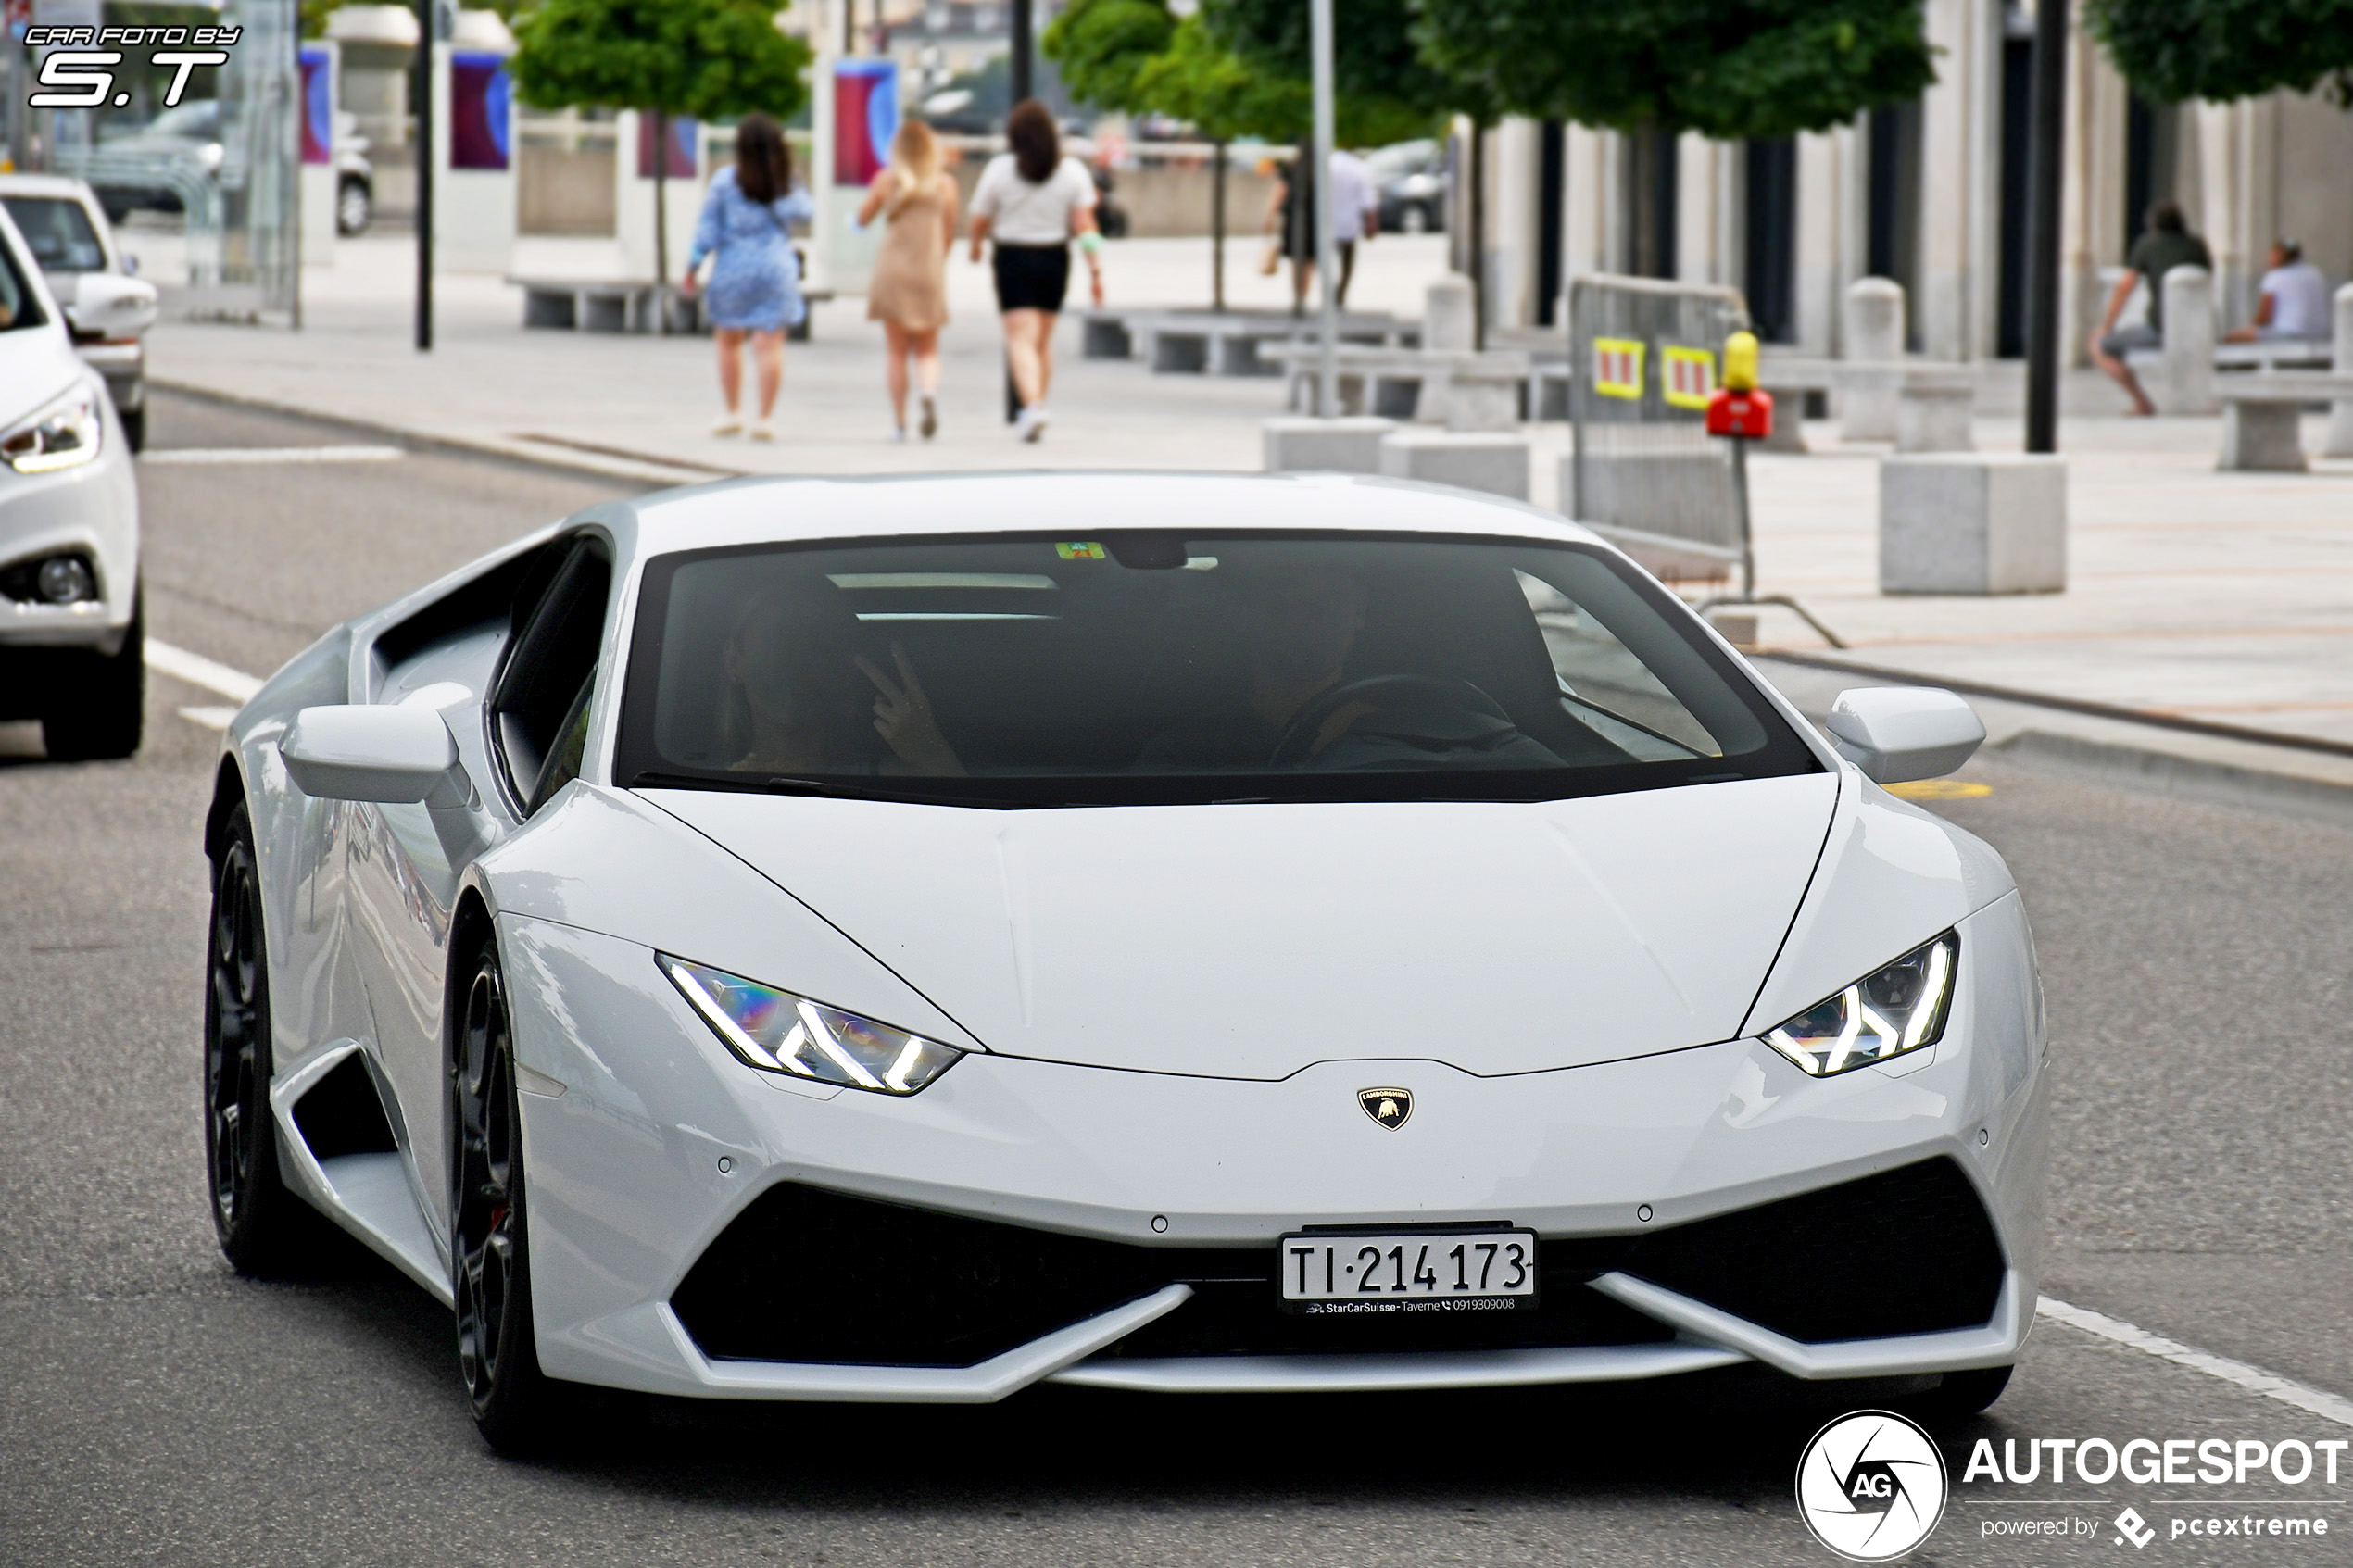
(865, 118)
(682, 147)
(318, 105)
(481, 112)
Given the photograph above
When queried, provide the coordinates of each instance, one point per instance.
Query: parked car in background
(1414, 181)
(73, 651)
(108, 311)
(187, 136)
(355, 177)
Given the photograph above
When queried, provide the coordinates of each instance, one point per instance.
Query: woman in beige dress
(909, 295)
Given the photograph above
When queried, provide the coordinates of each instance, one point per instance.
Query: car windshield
(1150, 669)
(18, 305)
(1401, 159)
(58, 232)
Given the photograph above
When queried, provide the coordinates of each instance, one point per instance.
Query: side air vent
(341, 1115)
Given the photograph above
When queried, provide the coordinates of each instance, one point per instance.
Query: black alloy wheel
(490, 1253)
(258, 1219)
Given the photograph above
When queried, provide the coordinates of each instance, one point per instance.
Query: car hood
(1251, 941)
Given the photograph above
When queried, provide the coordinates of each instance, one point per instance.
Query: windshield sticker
(1082, 552)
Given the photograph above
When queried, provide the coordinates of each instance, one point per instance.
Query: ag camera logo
(1871, 1485)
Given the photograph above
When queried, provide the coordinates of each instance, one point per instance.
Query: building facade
(1931, 194)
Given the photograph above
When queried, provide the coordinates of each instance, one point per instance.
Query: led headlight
(62, 435)
(1900, 1009)
(778, 1032)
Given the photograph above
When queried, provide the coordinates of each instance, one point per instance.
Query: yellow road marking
(1940, 789)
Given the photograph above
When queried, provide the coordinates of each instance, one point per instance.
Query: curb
(578, 459)
(2068, 704)
(2188, 778)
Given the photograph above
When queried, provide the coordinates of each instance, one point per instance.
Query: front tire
(490, 1255)
(1964, 1394)
(98, 711)
(259, 1222)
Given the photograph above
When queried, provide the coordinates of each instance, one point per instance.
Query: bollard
(2188, 387)
(1869, 388)
(1295, 444)
(2339, 442)
(1446, 321)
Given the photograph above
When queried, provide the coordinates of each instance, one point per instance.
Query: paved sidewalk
(2225, 598)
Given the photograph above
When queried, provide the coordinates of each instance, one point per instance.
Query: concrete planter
(1972, 524)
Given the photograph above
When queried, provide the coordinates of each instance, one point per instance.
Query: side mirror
(107, 305)
(394, 755)
(1900, 733)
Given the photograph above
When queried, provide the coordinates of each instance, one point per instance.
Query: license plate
(1381, 1273)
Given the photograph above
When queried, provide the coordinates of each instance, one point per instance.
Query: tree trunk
(1217, 225)
(662, 222)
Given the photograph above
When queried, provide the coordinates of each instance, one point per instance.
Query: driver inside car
(1300, 627)
(791, 703)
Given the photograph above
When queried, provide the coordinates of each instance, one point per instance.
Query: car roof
(1076, 503)
(46, 185)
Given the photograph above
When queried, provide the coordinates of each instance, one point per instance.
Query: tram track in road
(2198, 1282)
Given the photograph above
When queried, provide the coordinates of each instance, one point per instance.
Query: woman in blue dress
(755, 282)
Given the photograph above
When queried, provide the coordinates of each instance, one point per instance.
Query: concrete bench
(2261, 413)
(1229, 343)
(605, 305)
(1415, 384)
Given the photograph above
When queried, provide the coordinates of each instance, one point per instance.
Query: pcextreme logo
(1871, 1485)
(79, 69)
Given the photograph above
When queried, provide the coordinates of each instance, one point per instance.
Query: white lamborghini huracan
(911, 939)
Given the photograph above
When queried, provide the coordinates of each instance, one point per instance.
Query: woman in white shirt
(1033, 202)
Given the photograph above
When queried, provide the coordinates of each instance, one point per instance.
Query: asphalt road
(158, 1407)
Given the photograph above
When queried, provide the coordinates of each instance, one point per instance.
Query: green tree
(2223, 49)
(1725, 69)
(705, 60)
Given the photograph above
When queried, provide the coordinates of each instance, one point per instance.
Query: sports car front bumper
(700, 1229)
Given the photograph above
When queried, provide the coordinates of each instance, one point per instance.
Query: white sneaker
(727, 424)
(899, 435)
(1030, 423)
(763, 431)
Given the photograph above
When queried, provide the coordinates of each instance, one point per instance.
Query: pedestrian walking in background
(908, 294)
(2165, 244)
(1290, 219)
(1355, 214)
(755, 279)
(2292, 303)
(1032, 202)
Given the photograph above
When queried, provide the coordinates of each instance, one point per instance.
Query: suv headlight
(778, 1032)
(1900, 1009)
(62, 435)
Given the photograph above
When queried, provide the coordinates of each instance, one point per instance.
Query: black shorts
(1031, 277)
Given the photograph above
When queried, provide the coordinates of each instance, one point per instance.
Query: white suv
(72, 650)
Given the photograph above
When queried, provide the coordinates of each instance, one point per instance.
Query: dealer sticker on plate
(1369, 1273)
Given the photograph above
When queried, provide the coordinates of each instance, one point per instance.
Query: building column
(2094, 231)
(1956, 247)
(1512, 208)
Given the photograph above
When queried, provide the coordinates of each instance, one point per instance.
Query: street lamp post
(422, 94)
(2048, 110)
(1319, 175)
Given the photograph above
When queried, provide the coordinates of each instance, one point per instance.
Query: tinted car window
(18, 305)
(58, 232)
(1134, 668)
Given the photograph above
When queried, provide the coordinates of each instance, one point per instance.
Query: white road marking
(198, 670)
(2329, 1407)
(210, 718)
(211, 454)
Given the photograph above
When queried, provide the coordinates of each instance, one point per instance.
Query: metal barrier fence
(1645, 355)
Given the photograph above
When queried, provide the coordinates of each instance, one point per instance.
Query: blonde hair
(914, 153)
